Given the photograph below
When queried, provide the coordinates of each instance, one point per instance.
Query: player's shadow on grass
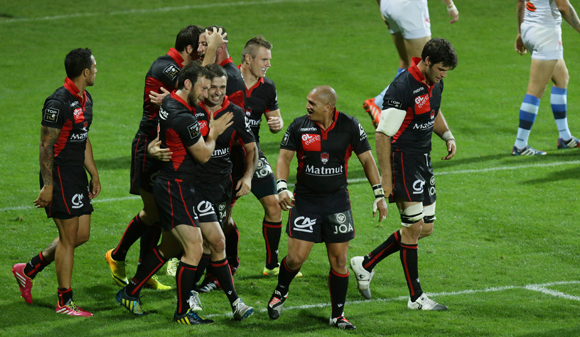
(117, 163)
(571, 173)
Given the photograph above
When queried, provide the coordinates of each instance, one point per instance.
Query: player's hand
(94, 187)
(454, 14)
(221, 124)
(286, 200)
(216, 37)
(451, 149)
(381, 205)
(275, 123)
(44, 197)
(520, 48)
(157, 97)
(155, 150)
(244, 186)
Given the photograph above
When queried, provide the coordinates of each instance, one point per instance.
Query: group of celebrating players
(197, 150)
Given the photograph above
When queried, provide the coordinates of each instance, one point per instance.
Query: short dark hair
(440, 51)
(217, 70)
(188, 36)
(192, 72)
(76, 61)
(253, 45)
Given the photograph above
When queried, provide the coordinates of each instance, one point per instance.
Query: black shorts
(263, 181)
(70, 193)
(413, 178)
(143, 168)
(176, 202)
(213, 200)
(318, 220)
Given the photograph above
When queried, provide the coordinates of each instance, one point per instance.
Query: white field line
(490, 169)
(534, 287)
(157, 10)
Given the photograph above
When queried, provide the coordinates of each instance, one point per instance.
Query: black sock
(201, 266)
(35, 266)
(148, 267)
(222, 272)
(272, 232)
(232, 248)
(134, 230)
(338, 286)
(390, 246)
(64, 295)
(410, 264)
(149, 240)
(285, 278)
(184, 279)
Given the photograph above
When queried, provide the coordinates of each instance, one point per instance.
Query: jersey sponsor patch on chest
(422, 104)
(78, 115)
(171, 71)
(51, 115)
(311, 142)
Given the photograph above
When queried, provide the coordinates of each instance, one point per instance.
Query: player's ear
(187, 84)
(189, 49)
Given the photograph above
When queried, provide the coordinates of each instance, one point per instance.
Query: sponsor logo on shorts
(263, 169)
(324, 157)
(193, 130)
(51, 115)
(311, 142)
(78, 115)
(340, 217)
(171, 71)
(77, 201)
(304, 224)
(418, 186)
(162, 113)
(205, 208)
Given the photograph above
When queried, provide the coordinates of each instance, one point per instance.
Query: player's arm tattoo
(48, 137)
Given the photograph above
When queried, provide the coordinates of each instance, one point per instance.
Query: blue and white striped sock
(558, 99)
(528, 113)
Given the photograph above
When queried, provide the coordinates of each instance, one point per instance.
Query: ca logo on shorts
(304, 224)
(205, 208)
(263, 168)
(77, 200)
(418, 186)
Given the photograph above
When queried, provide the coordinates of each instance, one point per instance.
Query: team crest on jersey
(171, 71)
(203, 127)
(432, 114)
(51, 115)
(422, 104)
(324, 157)
(311, 142)
(79, 116)
(193, 130)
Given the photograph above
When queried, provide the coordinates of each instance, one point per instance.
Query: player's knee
(218, 244)
(411, 216)
(82, 239)
(295, 260)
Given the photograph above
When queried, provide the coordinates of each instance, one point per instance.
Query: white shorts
(545, 43)
(409, 17)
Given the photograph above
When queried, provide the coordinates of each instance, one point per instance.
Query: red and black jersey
(66, 110)
(236, 89)
(219, 166)
(163, 73)
(260, 98)
(178, 130)
(422, 103)
(323, 154)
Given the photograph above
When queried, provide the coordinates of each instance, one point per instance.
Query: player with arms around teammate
(411, 113)
(261, 100)
(410, 27)
(65, 194)
(162, 75)
(174, 192)
(540, 31)
(320, 210)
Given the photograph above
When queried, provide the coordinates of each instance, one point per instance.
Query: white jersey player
(539, 30)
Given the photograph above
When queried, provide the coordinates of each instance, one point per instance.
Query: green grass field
(504, 254)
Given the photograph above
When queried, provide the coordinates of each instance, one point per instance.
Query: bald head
(325, 95)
